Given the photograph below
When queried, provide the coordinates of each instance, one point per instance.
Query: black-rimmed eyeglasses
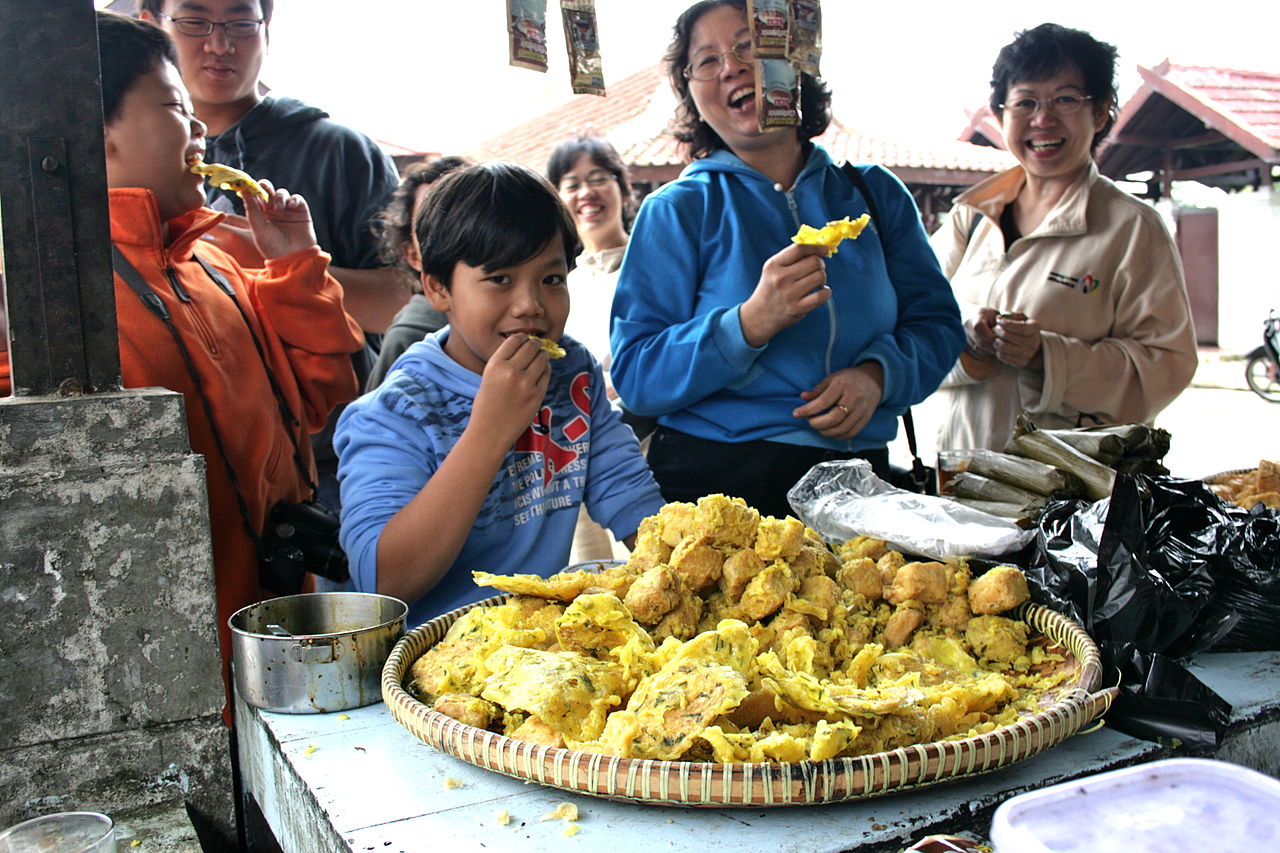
(201, 27)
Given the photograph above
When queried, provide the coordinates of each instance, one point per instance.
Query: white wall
(1248, 266)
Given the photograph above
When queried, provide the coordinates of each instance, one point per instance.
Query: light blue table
(365, 783)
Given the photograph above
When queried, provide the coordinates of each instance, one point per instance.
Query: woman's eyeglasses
(709, 65)
(595, 181)
(1059, 105)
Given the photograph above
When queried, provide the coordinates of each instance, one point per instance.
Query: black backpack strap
(855, 176)
(918, 471)
(973, 226)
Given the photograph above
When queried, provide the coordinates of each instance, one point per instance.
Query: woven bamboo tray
(1222, 476)
(704, 784)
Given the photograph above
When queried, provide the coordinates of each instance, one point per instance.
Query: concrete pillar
(109, 663)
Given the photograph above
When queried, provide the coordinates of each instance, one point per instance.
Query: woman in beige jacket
(1075, 307)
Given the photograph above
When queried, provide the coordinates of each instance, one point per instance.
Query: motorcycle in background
(1262, 370)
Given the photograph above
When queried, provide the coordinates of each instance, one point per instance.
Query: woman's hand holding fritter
(792, 283)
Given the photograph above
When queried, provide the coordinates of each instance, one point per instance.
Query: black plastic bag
(1160, 571)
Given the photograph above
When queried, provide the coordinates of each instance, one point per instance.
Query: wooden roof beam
(1221, 169)
(1148, 141)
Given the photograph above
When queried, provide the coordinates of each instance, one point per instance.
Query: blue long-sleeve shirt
(695, 256)
(577, 450)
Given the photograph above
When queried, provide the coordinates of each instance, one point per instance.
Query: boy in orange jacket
(292, 306)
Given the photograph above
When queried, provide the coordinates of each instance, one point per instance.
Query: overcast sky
(433, 75)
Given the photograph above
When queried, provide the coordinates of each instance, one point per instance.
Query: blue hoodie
(577, 450)
(695, 256)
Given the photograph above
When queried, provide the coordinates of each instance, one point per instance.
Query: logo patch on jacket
(538, 441)
(1085, 284)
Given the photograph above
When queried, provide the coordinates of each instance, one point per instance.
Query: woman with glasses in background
(592, 182)
(761, 357)
(591, 178)
(1074, 305)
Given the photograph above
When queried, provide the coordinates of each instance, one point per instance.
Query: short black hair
(603, 154)
(1041, 52)
(815, 96)
(491, 216)
(156, 7)
(393, 226)
(127, 49)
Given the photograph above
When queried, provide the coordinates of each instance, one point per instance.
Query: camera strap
(129, 273)
(291, 422)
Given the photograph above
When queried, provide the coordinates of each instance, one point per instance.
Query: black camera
(300, 538)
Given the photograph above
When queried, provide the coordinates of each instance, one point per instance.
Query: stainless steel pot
(316, 652)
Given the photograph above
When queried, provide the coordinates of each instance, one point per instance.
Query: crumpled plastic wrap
(844, 499)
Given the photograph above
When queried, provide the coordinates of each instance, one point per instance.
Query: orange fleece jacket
(296, 310)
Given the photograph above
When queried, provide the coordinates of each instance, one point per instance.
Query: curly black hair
(1041, 52)
(393, 225)
(815, 96)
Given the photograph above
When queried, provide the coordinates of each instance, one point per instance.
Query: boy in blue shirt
(478, 448)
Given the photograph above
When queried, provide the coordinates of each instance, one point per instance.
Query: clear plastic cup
(66, 832)
(950, 463)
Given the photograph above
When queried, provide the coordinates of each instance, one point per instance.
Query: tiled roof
(636, 114)
(532, 142)
(846, 144)
(1215, 125)
(1247, 99)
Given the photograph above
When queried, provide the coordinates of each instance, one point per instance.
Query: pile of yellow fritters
(1254, 486)
(729, 637)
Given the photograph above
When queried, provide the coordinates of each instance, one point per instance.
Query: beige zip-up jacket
(1102, 276)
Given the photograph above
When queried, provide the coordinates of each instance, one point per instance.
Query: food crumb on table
(503, 817)
(310, 749)
(451, 783)
(564, 811)
(571, 830)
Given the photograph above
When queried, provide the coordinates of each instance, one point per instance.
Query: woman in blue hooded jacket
(760, 357)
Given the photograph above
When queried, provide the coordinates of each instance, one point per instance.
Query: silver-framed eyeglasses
(1059, 105)
(201, 27)
(594, 180)
(709, 65)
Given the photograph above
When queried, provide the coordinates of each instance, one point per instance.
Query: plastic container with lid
(1174, 804)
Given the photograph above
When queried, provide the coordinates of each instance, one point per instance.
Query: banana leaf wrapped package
(1029, 474)
(967, 484)
(1031, 441)
(1128, 448)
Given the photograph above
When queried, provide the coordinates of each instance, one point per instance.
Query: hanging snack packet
(778, 98)
(582, 41)
(804, 37)
(527, 27)
(768, 22)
